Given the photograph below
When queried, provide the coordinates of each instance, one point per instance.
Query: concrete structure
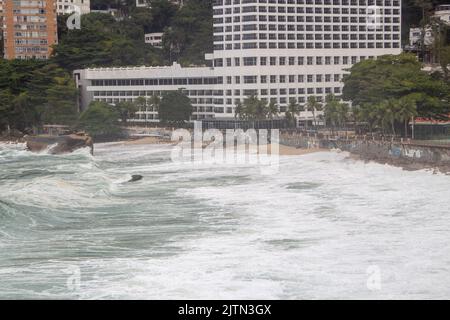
(68, 6)
(155, 39)
(443, 12)
(280, 51)
(111, 11)
(29, 28)
(146, 3)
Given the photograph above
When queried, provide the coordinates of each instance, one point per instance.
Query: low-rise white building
(155, 39)
(443, 12)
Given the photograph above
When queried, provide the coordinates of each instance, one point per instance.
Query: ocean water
(325, 226)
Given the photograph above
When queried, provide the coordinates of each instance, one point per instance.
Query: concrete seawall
(409, 155)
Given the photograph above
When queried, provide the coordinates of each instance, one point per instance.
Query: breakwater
(409, 154)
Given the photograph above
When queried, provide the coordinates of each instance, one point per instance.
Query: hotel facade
(29, 28)
(278, 50)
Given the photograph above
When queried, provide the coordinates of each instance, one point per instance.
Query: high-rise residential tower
(29, 28)
(277, 50)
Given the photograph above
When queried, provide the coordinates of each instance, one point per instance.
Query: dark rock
(12, 135)
(59, 144)
(136, 177)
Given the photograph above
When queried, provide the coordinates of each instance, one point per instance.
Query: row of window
(280, 28)
(306, 45)
(156, 82)
(220, 100)
(301, 19)
(307, 36)
(291, 61)
(301, 10)
(281, 102)
(387, 3)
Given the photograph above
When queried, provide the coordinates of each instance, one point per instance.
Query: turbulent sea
(324, 226)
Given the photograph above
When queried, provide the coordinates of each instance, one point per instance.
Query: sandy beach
(283, 150)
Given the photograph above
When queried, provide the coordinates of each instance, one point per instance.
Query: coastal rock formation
(12, 135)
(136, 177)
(59, 144)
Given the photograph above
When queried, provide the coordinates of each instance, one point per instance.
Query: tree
(392, 77)
(239, 110)
(155, 102)
(407, 109)
(254, 108)
(100, 119)
(313, 105)
(190, 35)
(293, 110)
(162, 13)
(35, 92)
(272, 110)
(105, 41)
(5, 108)
(175, 108)
(445, 62)
(61, 102)
(331, 110)
(125, 110)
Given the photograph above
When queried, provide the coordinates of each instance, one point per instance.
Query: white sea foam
(199, 231)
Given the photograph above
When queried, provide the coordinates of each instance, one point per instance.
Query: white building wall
(67, 6)
(281, 50)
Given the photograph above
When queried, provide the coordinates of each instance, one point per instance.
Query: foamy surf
(313, 230)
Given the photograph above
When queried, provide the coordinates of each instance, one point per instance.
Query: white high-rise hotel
(279, 50)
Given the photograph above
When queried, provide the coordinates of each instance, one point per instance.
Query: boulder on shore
(59, 144)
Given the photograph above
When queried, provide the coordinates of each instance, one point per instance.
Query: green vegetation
(106, 41)
(393, 88)
(100, 120)
(336, 112)
(175, 108)
(34, 92)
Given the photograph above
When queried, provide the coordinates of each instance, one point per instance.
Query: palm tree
(155, 102)
(386, 114)
(342, 113)
(255, 108)
(126, 110)
(313, 105)
(239, 110)
(330, 110)
(141, 104)
(293, 110)
(407, 109)
(272, 109)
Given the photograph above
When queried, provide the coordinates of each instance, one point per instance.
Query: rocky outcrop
(59, 144)
(12, 135)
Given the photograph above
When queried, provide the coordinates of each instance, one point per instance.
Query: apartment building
(278, 50)
(29, 28)
(70, 6)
